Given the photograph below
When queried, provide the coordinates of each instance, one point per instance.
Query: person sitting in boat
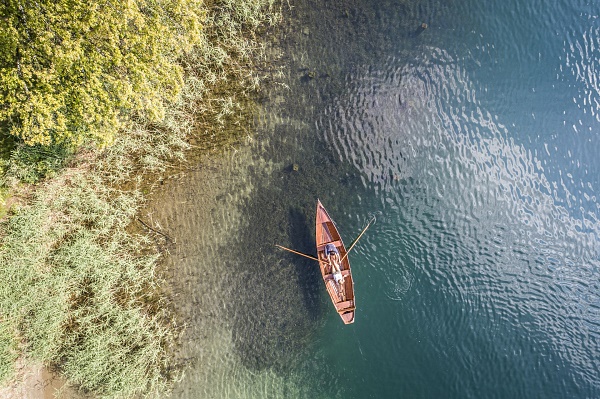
(333, 257)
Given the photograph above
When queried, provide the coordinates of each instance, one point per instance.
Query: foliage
(80, 294)
(219, 75)
(8, 352)
(3, 196)
(30, 164)
(74, 69)
(79, 291)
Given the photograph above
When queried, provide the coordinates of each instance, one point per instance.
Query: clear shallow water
(475, 144)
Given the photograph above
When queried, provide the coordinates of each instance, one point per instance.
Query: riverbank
(87, 297)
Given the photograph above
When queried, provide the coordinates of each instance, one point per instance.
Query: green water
(474, 143)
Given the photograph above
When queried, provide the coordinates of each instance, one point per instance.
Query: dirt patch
(37, 382)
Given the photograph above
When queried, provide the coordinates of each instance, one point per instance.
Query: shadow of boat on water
(276, 306)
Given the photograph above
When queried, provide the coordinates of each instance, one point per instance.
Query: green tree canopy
(77, 69)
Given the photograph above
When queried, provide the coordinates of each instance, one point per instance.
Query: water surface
(474, 142)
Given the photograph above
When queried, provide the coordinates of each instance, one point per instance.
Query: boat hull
(342, 295)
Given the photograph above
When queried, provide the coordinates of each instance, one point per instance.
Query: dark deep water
(475, 144)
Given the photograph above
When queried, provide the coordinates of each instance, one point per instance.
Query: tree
(72, 70)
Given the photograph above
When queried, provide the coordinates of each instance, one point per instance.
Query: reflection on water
(475, 141)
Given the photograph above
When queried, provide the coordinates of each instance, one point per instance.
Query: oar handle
(297, 253)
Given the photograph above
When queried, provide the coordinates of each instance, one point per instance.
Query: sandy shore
(36, 382)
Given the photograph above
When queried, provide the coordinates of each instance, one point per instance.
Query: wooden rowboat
(342, 295)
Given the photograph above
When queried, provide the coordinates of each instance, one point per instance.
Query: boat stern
(348, 317)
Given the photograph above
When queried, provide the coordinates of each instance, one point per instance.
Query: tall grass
(79, 292)
(8, 351)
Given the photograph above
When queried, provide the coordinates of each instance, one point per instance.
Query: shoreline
(32, 379)
(37, 382)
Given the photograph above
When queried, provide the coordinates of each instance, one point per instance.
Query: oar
(358, 238)
(297, 253)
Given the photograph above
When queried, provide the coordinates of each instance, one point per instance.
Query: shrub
(74, 69)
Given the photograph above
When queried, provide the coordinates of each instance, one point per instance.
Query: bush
(74, 69)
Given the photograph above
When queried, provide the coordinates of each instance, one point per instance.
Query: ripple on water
(483, 267)
(486, 224)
